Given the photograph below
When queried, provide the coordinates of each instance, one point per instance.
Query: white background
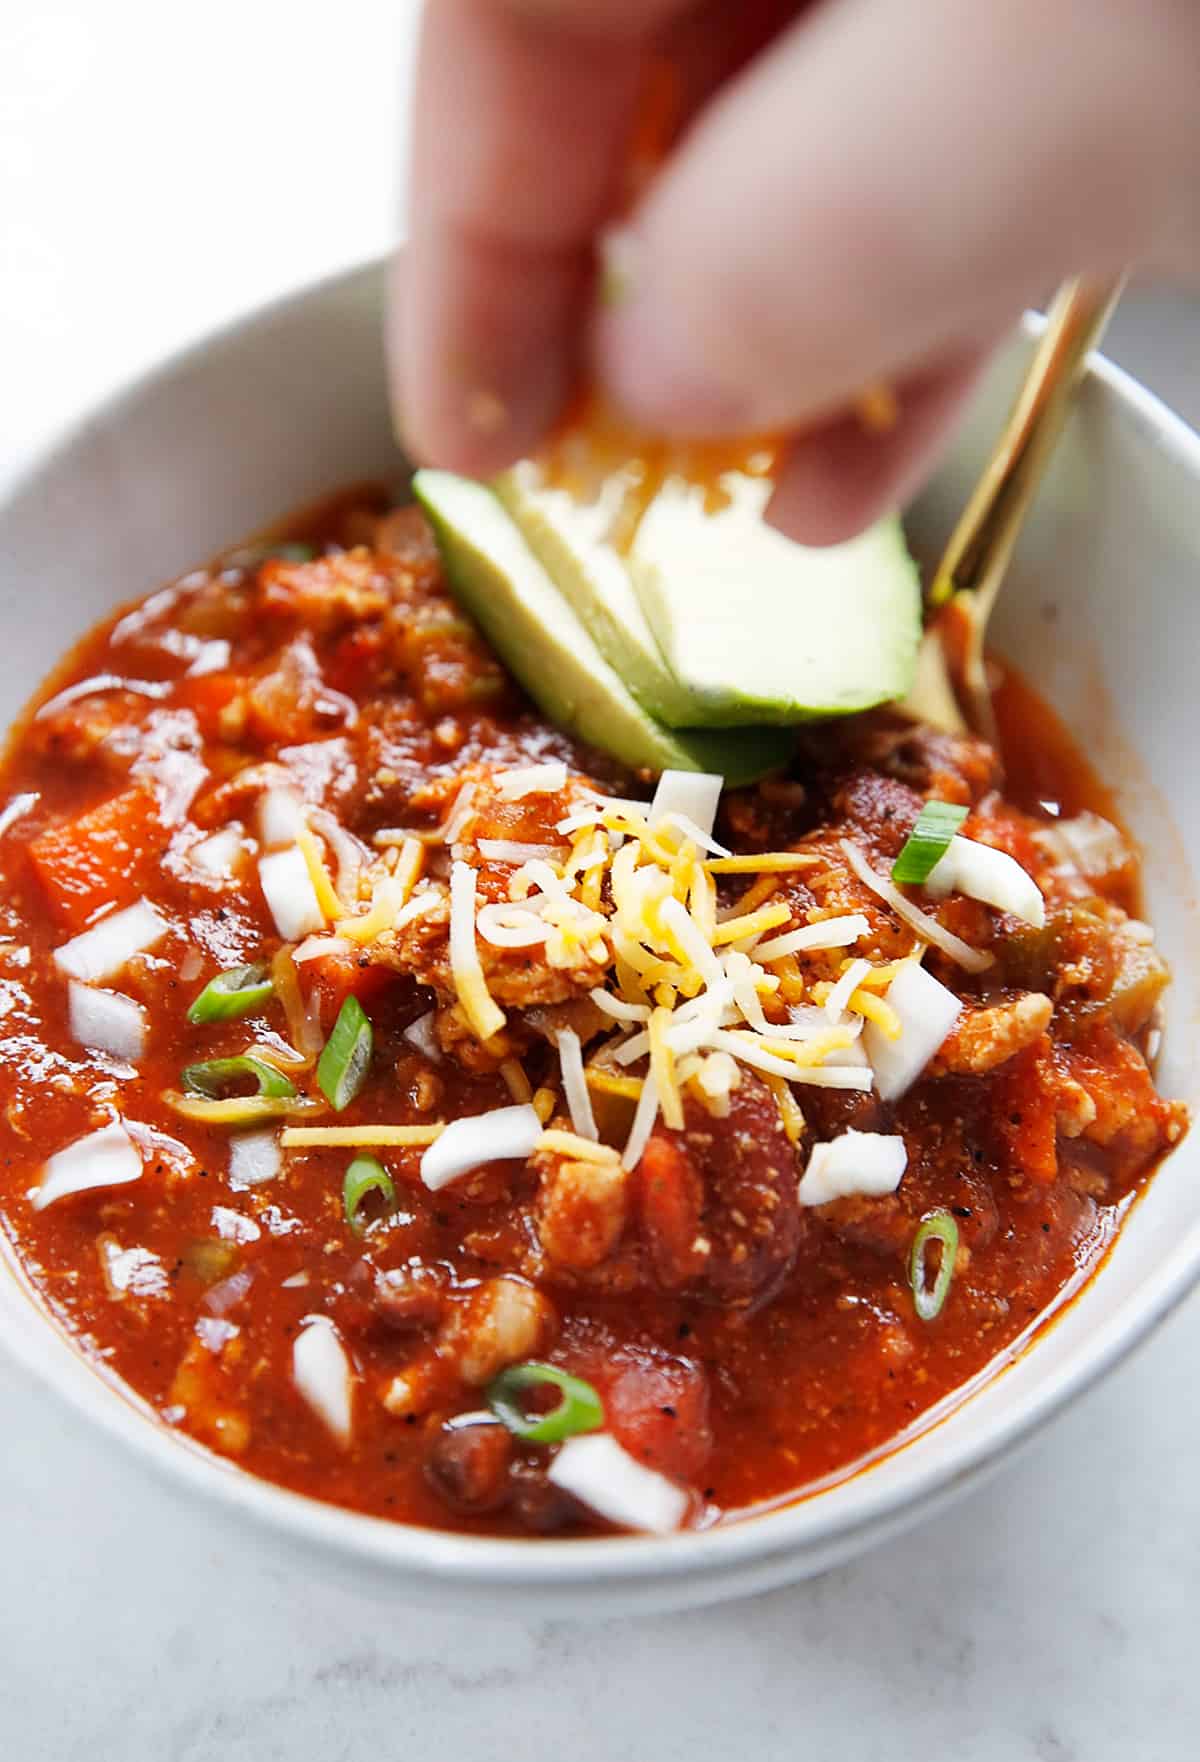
(161, 169)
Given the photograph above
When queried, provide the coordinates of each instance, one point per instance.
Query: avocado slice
(569, 539)
(756, 628)
(541, 640)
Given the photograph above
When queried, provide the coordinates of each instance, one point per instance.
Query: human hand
(866, 190)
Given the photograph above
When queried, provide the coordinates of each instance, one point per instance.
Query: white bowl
(1102, 613)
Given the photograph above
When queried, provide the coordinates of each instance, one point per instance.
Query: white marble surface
(152, 182)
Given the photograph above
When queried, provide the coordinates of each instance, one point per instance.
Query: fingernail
(642, 355)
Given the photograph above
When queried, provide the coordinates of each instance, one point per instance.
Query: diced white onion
(214, 1333)
(101, 952)
(990, 876)
(643, 1124)
(814, 938)
(927, 1012)
(510, 926)
(321, 1372)
(525, 780)
(579, 1101)
(509, 850)
(595, 1470)
(618, 1009)
(694, 795)
(280, 818)
(421, 1035)
(497, 1136)
(107, 1158)
(106, 1021)
(289, 893)
(845, 988)
(210, 656)
(856, 1162)
(1088, 843)
(254, 1158)
(221, 854)
(974, 960)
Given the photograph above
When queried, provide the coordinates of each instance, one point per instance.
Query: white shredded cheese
(579, 1100)
(289, 893)
(618, 1008)
(321, 1372)
(596, 1470)
(644, 1117)
(511, 926)
(503, 1134)
(844, 989)
(927, 1012)
(461, 814)
(509, 850)
(107, 1021)
(815, 938)
(107, 1158)
(855, 1162)
(101, 952)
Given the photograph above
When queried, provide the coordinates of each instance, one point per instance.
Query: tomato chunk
(105, 857)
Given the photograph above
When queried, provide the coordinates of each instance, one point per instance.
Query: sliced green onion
(928, 841)
(216, 1077)
(236, 992)
(580, 1409)
(366, 1174)
(292, 551)
(939, 1226)
(342, 1067)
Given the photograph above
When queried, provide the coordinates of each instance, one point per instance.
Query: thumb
(854, 207)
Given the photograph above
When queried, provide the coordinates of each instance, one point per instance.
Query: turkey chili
(428, 1118)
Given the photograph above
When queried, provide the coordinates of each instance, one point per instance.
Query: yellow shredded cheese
(789, 1108)
(612, 1082)
(543, 1104)
(359, 1137)
(327, 899)
(662, 1068)
(735, 929)
(478, 1005)
(519, 1086)
(577, 1148)
(774, 862)
(877, 1010)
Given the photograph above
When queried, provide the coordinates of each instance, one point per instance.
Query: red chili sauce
(744, 1345)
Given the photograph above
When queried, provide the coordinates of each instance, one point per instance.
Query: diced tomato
(670, 1202)
(658, 1409)
(105, 857)
(209, 695)
(336, 977)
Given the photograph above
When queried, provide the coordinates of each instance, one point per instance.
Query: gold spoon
(973, 567)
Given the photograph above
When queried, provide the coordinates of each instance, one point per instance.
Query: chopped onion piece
(525, 780)
(855, 1162)
(643, 1124)
(693, 795)
(927, 1012)
(579, 1100)
(618, 1009)
(1088, 843)
(106, 1021)
(594, 1469)
(462, 812)
(974, 960)
(289, 893)
(254, 1158)
(316, 948)
(845, 988)
(280, 818)
(509, 850)
(16, 810)
(500, 1135)
(990, 876)
(813, 938)
(321, 1372)
(107, 1158)
(221, 854)
(101, 952)
(421, 1035)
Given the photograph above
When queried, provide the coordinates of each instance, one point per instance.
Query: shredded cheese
(322, 886)
(359, 1137)
(577, 1148)
(525, 780)
(774, 862)
(480, 1008)
(579, 1102)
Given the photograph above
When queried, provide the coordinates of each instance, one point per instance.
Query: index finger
(523, 110)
